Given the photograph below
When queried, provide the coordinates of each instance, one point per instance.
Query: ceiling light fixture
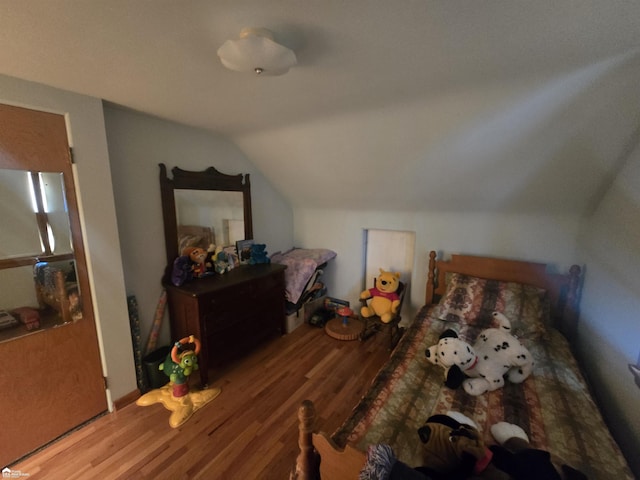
(255, 51)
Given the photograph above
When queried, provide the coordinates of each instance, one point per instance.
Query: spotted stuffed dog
(482, 367)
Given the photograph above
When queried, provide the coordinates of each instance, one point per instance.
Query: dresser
(231, 314)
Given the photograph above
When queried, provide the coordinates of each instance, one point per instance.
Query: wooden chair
(373, 325)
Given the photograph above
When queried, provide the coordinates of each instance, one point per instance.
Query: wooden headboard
(563, 289)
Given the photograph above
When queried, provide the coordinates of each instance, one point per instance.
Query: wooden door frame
(35, 140)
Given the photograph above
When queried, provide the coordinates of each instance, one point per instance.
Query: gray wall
(609, 334)
(137, 144)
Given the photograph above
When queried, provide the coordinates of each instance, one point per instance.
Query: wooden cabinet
(231, 314)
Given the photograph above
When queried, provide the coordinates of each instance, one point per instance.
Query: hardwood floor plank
(248, 432)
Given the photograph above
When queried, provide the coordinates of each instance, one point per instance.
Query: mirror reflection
(34, 214)
(217, 217)
(38, 285)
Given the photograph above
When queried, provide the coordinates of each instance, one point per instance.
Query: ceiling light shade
(255, 51)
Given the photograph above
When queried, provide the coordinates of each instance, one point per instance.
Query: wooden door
(51, 379)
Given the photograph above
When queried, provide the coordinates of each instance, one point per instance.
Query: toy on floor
(175, 396)
(179, 366)
(482, 368)
(384, 297)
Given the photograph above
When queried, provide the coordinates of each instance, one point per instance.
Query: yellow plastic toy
(384, 297)
(175, 395)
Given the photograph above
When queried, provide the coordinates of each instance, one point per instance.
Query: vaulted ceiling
(450, 104)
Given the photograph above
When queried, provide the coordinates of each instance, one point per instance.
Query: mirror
(223, 212)
(37, 262)
(208, 207)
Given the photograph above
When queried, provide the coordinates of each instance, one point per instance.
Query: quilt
(553, 405)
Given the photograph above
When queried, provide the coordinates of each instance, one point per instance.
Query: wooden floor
(248, 432)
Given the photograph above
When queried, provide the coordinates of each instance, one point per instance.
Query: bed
(554, 405)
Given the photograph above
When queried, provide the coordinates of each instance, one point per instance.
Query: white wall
(98, 219)
(137, 144)
(545, 238)
(609, 331)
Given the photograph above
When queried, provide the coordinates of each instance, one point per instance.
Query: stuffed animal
(198, 257)
(453, 447)
(221, 263)
(515, 456)
(258, 254)
(193, 263)
(210, 258)
(482, 368)
(181, 271)
(384, 297)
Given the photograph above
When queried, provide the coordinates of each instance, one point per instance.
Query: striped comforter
(553, 405)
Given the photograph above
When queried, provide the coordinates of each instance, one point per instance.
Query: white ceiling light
(255, 51)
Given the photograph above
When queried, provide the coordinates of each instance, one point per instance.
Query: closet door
(51, 380)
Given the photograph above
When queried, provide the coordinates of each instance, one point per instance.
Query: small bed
(554, 406)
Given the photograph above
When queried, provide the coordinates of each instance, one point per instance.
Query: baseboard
(126, 400)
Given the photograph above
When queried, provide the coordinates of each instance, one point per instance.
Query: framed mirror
(204, 207)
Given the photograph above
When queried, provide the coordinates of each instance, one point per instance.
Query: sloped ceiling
(414, 105)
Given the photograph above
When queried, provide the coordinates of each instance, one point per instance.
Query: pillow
(471, 301)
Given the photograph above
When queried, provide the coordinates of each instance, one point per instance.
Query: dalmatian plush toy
(482, 367)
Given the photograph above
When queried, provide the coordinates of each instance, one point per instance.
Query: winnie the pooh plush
(384, 297)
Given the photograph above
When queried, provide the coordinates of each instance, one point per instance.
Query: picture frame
(243, 247)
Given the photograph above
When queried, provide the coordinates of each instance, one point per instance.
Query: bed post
(430, 278)
(307, 462)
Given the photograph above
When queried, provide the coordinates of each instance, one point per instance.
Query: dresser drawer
(239, 299)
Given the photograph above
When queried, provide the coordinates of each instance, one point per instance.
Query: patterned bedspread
(553, 405)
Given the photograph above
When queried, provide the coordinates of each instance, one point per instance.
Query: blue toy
(258, 254)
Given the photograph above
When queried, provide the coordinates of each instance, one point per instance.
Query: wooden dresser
(231, 314)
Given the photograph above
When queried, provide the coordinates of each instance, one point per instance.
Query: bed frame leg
(308, 461)
(431, 278)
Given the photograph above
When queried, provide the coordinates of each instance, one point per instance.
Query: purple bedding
(301, 264)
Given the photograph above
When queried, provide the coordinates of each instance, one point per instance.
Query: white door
(393, 251)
